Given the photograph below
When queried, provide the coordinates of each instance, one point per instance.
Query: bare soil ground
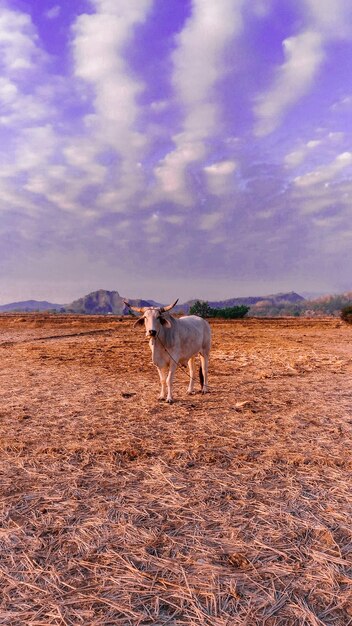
(228, 509)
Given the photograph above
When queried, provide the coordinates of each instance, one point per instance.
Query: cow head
(152, 318)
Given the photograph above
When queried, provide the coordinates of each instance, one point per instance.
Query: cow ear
(164, 322)
(139, 322)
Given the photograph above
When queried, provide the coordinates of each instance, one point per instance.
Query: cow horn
(169, 307)
(134, 308)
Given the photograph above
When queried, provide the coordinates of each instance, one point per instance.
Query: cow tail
(201, 377)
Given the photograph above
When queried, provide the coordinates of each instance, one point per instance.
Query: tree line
(203, 309)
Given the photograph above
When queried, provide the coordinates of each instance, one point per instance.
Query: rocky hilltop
(103, 302)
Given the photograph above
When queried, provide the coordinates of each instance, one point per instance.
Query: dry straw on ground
(228, 509)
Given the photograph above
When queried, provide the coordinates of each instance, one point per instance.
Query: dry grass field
(228, 509)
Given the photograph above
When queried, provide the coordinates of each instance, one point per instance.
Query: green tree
(200, 308)
(346, 314)
(230, 313)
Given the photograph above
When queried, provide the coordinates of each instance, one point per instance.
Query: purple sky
(175, 148)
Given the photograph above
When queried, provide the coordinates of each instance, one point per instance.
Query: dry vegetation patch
(228, 509)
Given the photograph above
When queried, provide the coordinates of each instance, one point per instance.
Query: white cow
(175, 341)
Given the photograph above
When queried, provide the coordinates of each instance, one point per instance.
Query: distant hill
(279, 304)
(329, 305)
(103, 302)
(276, 298)
(30, 305)
(273, 300)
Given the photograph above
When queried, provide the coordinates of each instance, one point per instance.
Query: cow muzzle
(152, 333)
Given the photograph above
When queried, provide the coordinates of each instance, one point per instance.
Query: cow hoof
(170, 401)
(161, 399)
(204, 390)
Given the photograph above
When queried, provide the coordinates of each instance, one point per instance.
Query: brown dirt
(228, 509)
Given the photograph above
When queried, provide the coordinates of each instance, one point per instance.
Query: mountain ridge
(277, 298)
(30, 305)
(104, 301)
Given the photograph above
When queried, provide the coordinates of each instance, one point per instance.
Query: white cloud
(210, 220)
(99, 54)
(21, 59)
(36, 147)
(82, 156)
(110, 201)
(313, 143)
(219, 177)
(261, 8)
(62, 169)
(170, 172)
(329, 222)
(298, 156)
(198, 59)
(63, 185)
(304, 54)
(332, 17)
(26, 106)
(10, 197)
(223, 168)
(8, 91)
(343, 104)
(58, 184)
(159, 105)
(295, 158)
(53, 13)
(26, 109)
(325, 174)
(175, 220)
(336, 137)
(198, 64)
(18, 42)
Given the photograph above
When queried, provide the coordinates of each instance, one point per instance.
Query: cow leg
(192, 369)
(162, 375)
(204, 360)
(169, 381)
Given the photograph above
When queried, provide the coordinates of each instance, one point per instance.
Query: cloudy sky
(175, 148)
